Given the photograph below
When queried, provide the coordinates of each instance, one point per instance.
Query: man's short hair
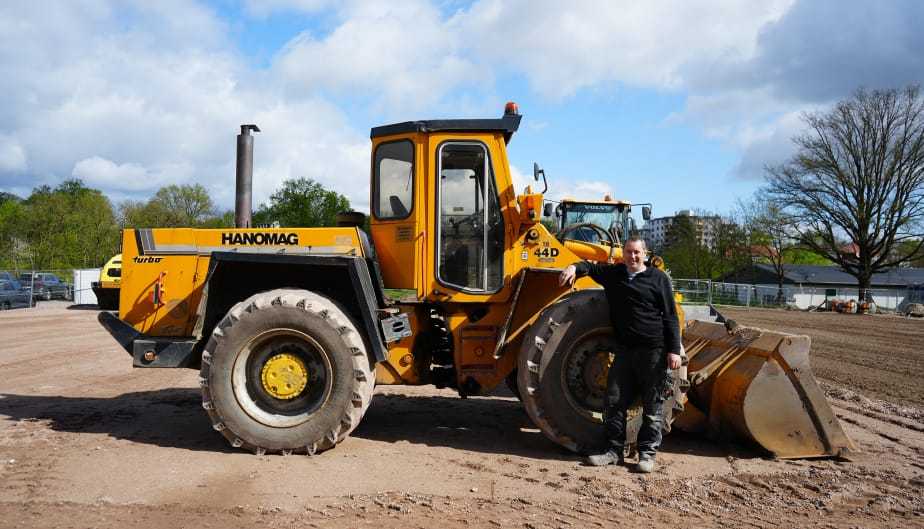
(636, 238)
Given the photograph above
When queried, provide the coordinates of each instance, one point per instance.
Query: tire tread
(334, 316)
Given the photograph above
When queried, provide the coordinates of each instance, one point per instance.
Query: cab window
(393, 180)
(470, 225)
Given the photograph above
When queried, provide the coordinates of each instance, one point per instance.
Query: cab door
(469, 242)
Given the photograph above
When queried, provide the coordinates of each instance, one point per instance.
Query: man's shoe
(606, 458)
(645, 465)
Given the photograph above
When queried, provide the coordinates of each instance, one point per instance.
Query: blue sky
(677, 103)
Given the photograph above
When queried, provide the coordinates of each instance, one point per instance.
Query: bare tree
(771, 232)
(855, 187)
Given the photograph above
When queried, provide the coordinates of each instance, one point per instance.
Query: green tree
(6, 197)
(804, 256)
(683, 251)
(857, 181)
(704, 246)
(69, 226)
(12, 244)
(912, 251)
(302, 202)
(731, 248)
(550, 224)
(173, 206)
(223, 219)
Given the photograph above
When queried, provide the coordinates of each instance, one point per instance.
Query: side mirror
(539, 171)
(646, 212)
(547, 209)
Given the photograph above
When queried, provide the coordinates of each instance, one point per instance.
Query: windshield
(606, 216)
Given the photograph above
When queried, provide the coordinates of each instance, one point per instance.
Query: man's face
(634, 256)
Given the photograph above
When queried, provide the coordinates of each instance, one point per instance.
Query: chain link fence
(705, 291)
(31, 286)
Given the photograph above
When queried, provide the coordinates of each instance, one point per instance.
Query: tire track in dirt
(110, 447)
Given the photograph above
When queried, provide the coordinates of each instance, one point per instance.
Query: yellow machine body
(406, 249)
(451, 243)
(106, 289)
(164, 269)
(110, 276)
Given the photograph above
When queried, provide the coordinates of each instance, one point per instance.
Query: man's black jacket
(642, 310)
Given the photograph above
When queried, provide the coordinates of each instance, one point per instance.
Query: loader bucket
(759, 385)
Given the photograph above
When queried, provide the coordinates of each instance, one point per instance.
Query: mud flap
(759, 385)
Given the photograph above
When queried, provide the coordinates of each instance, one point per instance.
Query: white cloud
(400, 53)
(815, 54)
(12, 155)
(520, 180)
(565, 187)
(767, 146)
(130, 99)
(589, 43)
(132, 96)
(591, 188)
(310, 139)
(100, 172)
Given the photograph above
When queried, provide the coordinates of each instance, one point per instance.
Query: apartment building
(655, 231)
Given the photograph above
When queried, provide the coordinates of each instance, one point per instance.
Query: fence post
(709, 286)
(747, 298)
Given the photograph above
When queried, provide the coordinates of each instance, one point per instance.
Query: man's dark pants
(636, 371)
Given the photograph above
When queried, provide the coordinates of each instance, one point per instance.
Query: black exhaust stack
(243, 193)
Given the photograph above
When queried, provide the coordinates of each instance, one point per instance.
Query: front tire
(563, 386)
(286, 371)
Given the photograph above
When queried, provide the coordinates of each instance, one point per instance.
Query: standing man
(645, 323)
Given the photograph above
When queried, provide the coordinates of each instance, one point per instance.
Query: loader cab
(597, 221)
(440, 193)
(578, 219)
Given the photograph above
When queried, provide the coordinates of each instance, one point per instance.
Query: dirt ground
(879, 356)
(86, 441)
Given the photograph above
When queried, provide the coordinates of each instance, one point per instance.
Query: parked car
(13, 295)
(46, 285)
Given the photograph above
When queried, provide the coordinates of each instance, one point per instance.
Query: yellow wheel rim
(602, 362)
(284, 376)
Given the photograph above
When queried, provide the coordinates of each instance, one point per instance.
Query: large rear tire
(562, 386)
(286, 371)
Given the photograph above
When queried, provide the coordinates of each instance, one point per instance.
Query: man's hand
(566, 278)
(673, 360)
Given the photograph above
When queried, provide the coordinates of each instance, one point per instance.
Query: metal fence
(795, 296)
(41, 285)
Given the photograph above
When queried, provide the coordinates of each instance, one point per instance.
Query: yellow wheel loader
(455, 285)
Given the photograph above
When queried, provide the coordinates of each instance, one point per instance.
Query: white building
(809, 285)
(656, 230)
